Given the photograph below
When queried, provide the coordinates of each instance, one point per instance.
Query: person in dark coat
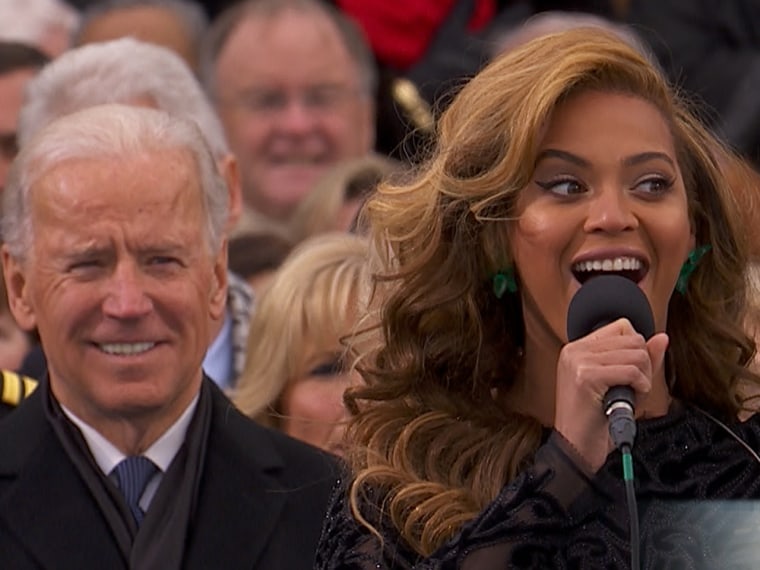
(127, 455)
(713, 51)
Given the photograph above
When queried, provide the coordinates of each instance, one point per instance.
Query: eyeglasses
(316, 100)
(8, 145)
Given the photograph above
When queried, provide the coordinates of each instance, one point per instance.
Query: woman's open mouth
(629, 267)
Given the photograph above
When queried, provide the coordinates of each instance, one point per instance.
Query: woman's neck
(533, 393)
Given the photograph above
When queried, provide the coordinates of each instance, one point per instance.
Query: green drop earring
(504, 281)
(689, 266)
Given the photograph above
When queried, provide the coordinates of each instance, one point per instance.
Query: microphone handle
(618, 394)
(618, 406)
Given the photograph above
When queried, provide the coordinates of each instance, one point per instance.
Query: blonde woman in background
(296, 370)
(334, 203)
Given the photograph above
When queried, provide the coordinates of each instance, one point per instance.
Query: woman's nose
(611, 211)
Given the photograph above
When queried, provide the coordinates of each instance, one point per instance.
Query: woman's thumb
(656, 346)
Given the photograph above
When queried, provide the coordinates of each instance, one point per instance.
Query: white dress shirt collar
(162, 452)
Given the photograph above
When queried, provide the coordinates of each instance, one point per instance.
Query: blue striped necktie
(133, 474)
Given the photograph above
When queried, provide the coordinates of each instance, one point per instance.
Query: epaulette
(15, 387)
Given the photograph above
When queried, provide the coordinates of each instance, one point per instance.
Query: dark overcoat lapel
(261, 498)
(41, 499)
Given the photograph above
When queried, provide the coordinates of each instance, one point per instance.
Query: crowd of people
(286, 284)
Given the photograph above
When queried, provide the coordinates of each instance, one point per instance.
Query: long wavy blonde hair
(426, 429)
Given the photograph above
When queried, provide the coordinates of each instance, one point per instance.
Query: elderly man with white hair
(127, 455)
(137, 73)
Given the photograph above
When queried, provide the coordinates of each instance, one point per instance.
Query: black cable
(633, 511)
(730, 432)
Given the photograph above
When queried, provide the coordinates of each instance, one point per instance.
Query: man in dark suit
(127, 456)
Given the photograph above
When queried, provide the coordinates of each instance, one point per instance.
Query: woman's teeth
(611, 264)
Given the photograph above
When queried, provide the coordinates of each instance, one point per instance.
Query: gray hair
(107, 131)
(553, 21)
(351, 35)
(119, 71)
(191, 15)
(29, 21)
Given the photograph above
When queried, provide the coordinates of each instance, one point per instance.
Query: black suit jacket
(260, 504)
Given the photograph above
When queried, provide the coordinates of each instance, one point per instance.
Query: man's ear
(218, 290)
(230, 171)
(14, 273)
(368, 134)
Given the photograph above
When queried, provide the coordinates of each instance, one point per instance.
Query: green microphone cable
(633, 511)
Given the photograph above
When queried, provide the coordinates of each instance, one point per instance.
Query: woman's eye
(654, 185)
(330, 368)
(563, 187)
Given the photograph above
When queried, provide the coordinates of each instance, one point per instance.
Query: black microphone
(600, 301)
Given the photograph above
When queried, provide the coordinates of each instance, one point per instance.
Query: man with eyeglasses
(18, 64)
(294, 83)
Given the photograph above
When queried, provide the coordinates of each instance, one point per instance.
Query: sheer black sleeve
(697, 486)
(522, 528)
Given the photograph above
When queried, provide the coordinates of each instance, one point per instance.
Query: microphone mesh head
(607, 298)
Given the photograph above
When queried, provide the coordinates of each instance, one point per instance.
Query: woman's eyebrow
(564, 155)
(646, 157)
(628, 161)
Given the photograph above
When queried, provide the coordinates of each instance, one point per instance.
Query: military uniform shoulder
(14, 388)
